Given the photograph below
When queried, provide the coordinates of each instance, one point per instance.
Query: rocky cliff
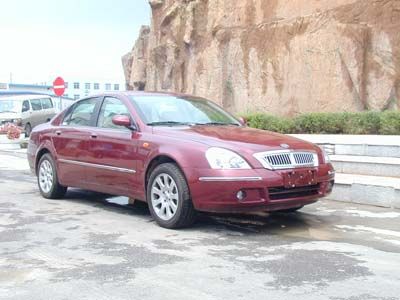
(279, 56)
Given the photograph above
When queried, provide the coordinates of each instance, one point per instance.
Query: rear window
(36, 104)
(46, 103)
(81, 113)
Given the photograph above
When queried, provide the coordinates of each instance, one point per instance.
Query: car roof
(142, 94)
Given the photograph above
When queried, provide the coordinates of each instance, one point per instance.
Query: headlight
(220, 158)
(325, 155)
(17, 122)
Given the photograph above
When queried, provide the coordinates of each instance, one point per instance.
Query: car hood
(8, 115)
(243, 139)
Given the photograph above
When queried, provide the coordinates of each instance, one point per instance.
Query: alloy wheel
(164, 196)
(46, 176)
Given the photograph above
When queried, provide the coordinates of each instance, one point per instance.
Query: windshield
(170, 110)
(13, 106)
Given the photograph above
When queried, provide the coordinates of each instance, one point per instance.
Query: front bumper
(11, 121)
(264, 190)
(31, 153)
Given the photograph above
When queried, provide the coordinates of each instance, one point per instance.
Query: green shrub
(390, 123)
(363, 123)
(321, 123)
(368, 122)
(269, 122)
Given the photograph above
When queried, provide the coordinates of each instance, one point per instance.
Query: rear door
(35, 113)
(71, 142)
(48, 109)
(113, 152)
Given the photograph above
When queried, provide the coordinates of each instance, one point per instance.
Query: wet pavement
(95, 246)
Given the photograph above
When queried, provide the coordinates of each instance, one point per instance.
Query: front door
(26, 112)
(113, 152)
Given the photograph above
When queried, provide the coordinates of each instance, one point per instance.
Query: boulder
(278, 56)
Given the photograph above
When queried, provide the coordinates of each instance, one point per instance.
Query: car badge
(286, 146)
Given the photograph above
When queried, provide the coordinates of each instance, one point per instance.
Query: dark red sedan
(178, 153)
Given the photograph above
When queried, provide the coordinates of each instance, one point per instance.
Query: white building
(76, 89)
(21, 87)
(17, 89)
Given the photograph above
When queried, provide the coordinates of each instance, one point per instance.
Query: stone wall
(279, 56)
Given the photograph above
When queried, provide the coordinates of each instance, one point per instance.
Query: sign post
(59, 89)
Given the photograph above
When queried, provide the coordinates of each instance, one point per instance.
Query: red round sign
(59, 86)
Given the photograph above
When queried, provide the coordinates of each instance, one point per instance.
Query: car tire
(47, 179)
(290, 210)
(169, 198)
(28, 130)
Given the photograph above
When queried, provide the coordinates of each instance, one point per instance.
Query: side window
(110, 108)
(46, 103)
(67, 115)
(36, 104)
(81, 113)
(25, 106)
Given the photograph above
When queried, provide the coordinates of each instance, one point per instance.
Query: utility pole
(11, 79)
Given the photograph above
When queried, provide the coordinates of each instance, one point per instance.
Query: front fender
(186, 155)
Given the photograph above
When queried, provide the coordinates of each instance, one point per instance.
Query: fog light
(241, 195)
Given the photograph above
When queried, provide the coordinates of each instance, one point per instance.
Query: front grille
(303, 158)
(278, 159)
(280, 193)
(286, 159)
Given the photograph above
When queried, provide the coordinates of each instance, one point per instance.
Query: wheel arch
(25, 128)
(158, 160)
(39, 155)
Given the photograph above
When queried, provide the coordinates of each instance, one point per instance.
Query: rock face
(278, 56)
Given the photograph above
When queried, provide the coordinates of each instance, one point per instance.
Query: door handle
(58, 132)
(93, 135)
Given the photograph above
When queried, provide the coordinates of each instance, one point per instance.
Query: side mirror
(123, 120)
(243, 121)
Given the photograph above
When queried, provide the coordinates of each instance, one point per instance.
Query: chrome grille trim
(287, 159)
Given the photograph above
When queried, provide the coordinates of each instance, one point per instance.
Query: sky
(76, 39)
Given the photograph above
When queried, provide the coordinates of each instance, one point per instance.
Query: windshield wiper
(168, 123)
(217, 124)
